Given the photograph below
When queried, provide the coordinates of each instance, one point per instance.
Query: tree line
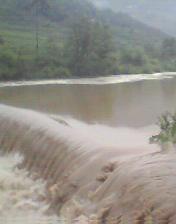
(88, 49)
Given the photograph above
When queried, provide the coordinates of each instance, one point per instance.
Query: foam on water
(104, 136)
(93, 81)
(22, 199)
(90, 170)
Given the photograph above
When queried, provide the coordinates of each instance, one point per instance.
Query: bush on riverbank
(167, 134)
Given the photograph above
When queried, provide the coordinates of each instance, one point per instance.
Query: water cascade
(106, 175)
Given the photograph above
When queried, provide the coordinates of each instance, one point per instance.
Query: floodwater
(121, 101)
(22, 198)
(84, 128)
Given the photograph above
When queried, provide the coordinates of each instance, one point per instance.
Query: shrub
(167, 124)
(52, 72)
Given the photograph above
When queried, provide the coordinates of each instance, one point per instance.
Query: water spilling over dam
(89, 177)
(22, 198)
(86, 171)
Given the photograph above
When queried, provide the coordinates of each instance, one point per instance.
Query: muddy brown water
(94, 165)
(126, 104)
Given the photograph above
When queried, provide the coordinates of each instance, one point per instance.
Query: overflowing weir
(113, 178)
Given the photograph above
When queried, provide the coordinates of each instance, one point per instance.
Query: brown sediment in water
(103, 180)
(22, 198)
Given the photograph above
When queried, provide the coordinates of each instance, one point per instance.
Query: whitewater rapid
(93, 81)
(54, 166)
(23, 199)
(86, 168)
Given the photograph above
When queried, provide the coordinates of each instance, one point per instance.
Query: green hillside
(16, 19)
(35, 41)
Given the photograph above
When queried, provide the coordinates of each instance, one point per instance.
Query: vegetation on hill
(63, 38)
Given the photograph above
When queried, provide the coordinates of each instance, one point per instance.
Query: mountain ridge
(159, 13)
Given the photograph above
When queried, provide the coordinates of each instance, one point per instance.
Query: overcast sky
(101, 3)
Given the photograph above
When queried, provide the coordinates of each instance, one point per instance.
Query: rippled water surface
(134, 100)
(112, 106)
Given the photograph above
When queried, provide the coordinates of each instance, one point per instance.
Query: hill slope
(49, 21)
(61, 12)
(160, 14)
